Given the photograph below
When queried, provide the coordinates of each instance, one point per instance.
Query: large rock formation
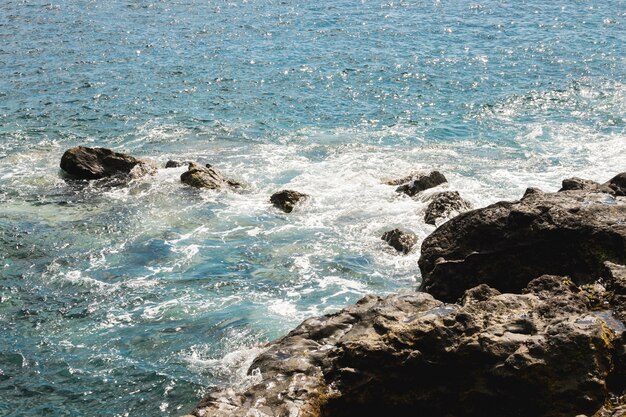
(445, 205)
(94, 163)
(507, 244)
(541, 353)
(286, 200)
(418, 182)
(206, 177)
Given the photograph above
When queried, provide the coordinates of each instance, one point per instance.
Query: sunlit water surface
(134, 300)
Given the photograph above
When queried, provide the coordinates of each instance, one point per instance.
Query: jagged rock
(286, 200)
(507, 244)
(576, 183)
(418, 181)
(94, 163)
(399, 240)
(618, 184)
(445, 205)
(615, 186)
(206, 177)
(542, 354)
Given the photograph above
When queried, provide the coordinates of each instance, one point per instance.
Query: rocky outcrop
(418, 181)
(286, 200)
(94, 163)
(507, 244)
(543, 353)
(615, 186)
(401, 241)
(445, 205)
(206, 177)
(530, 323)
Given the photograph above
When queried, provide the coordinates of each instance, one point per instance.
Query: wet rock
(445, 205)
(542, 354)
(399, 240)
(618, 184)
(286, 200)
(94, 163)
(206, 177)
(576, 183)
(174, 164)
(507, 244)
(418, 181)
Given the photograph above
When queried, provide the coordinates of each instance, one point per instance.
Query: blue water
(134, 300)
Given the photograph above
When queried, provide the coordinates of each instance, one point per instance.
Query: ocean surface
(135, 300)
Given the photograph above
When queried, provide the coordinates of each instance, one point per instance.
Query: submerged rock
(444, 205)
(399, 240)
(542, 354)
(94, 163)
(286, 200)
(507, 244)
(206, 177)
(418, 181)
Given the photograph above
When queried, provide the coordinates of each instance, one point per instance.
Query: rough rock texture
(507, 244)
(418, 181)
(615, 186)
(445, 205)
(543, 353)
(206, 177)
(400, 240)
(286, 200)
(94, 163)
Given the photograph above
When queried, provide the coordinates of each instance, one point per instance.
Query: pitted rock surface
(407, 354)
(445, 205)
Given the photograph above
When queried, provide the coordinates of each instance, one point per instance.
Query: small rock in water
(94, 163)
(286, 200)
(206, 177)
(174, 164)
(400, 240)
(418, 182)
(445, 205)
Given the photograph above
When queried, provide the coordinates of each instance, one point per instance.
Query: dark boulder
(174, 164)
(399, 240)
(418, 181)
(618, 184)
(286, 200)
(206, 177)
(94, 163)
(445, 205)
(542, 354)
(576, 183)
(507, 244)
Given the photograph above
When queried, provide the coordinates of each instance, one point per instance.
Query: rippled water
(134, 300)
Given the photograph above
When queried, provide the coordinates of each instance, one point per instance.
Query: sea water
(135, 300)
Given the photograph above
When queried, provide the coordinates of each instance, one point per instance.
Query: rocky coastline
(521, 312)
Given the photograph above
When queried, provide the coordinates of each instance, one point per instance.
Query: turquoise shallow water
(134, 300)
